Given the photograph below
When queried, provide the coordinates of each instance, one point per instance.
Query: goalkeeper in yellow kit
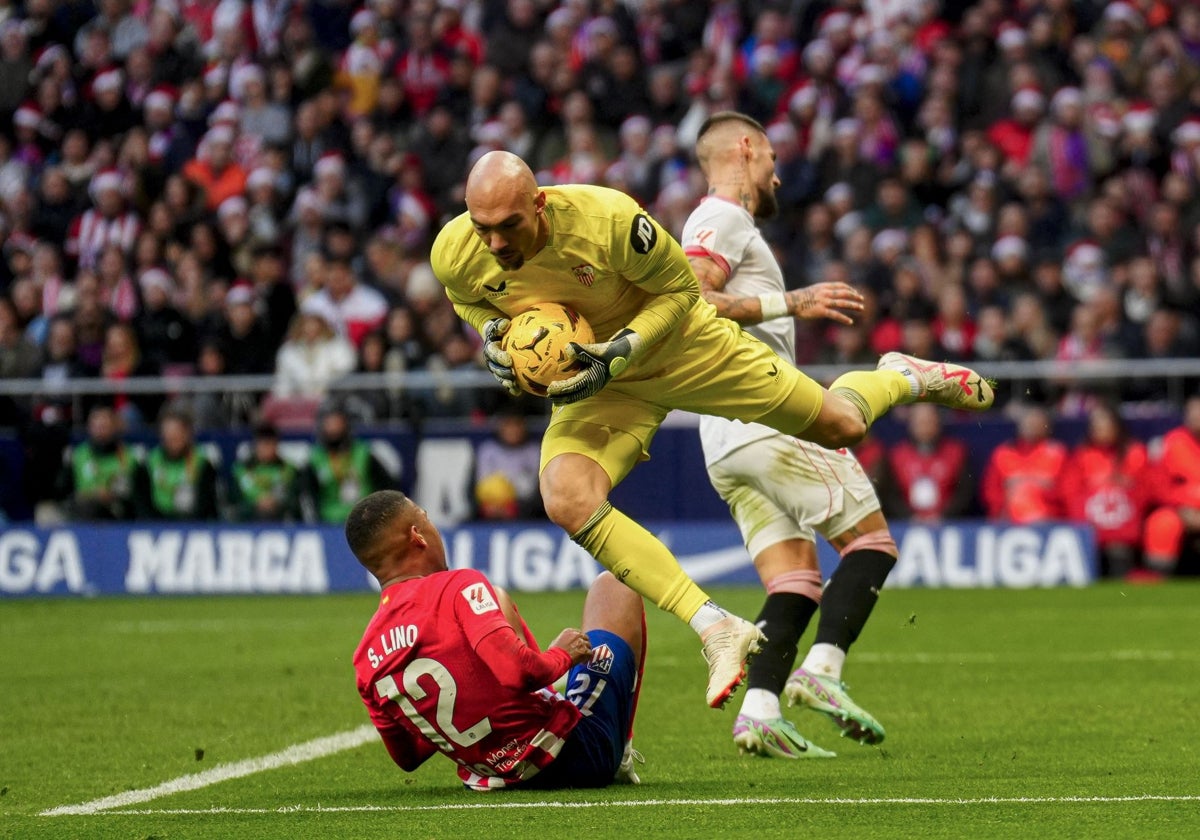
(595, 250)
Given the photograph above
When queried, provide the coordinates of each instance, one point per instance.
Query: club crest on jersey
(479, 598)
(702, 236)
(585, 274)
(602, 659)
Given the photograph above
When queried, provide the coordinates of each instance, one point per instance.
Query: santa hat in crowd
(816, 51)
(984, 178)
(1085, 253)
(45, 57)
(218, 134)
(782, 134)
(240, 293)
(1011, 35)
(1029, 98)
(1121, 12)
(1187, 132)
(1066, 97)
(805, 96)
(560, 17)
(635, 125)
(1084, 269)
(263, 176)
(104, 181)
(107, 81)
(1139, 119)
(228, 16)
(835, 22)
(330, 163)
(161, 98)
(839, 192)
(491, 133)
(225, 114)
(1106, 119)
(363, 19)
(233, 206)
(307, 199)
(846, 225)
(215, 75)
(869, 74)
(846, 127)
(156, 278)
(889, 239)
(29, 115)
(1010, 245)
(243, 76)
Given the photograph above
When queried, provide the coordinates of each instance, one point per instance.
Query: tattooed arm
(823, 300)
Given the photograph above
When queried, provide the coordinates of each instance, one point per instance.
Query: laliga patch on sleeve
(480, 599)
(642, 235)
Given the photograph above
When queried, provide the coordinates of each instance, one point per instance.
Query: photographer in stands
(265, 487)
(97, 479)
(176, 481)
(341, 470)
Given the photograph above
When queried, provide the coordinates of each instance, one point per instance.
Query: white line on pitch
(295, 754)
(641, 803)
(977, 657)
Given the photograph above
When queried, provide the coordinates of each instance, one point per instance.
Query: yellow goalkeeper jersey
(605, 257)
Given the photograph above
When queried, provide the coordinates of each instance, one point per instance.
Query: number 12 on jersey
(445, 735)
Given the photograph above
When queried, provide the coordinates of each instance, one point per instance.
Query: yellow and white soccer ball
(537, 342)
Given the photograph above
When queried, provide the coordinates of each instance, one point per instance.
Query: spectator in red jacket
(1176, 494)
(1021, 479)
(926, 475)
(1100, 484)
(1014, 136)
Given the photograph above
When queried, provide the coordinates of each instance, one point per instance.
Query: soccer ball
(537, 342)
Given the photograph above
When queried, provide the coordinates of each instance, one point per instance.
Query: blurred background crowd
(208, 188)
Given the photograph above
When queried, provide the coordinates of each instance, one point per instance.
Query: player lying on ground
(595, 250)
(781, 489)
(446, 664)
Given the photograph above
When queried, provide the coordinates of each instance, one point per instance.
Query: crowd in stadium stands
(219, 187)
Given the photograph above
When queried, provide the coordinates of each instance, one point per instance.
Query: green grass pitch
(1050, 696)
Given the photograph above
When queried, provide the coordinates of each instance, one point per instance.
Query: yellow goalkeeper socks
(875, 392)
(640, 561)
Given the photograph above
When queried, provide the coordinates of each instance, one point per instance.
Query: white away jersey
(726, 233)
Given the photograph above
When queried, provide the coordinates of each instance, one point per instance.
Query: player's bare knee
(569, 507)
(841, 429)
(573, 488)
(851, 428)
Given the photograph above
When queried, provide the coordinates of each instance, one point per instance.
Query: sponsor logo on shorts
(642, 235)
(602, 659)
(480, 599)
(585, 274)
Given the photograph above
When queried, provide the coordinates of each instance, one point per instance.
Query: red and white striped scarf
(91, 233)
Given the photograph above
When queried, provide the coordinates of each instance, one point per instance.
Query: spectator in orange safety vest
(1101, 484)
(1021, 480)
(1175, 521)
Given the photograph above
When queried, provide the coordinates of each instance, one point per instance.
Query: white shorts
(781, 488)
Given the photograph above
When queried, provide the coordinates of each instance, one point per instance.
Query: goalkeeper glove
(601, 363)
(499, 362)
